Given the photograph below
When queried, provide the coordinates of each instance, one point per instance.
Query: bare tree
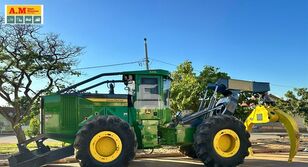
(31, 64)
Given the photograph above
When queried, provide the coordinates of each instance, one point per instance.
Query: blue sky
(264, 40)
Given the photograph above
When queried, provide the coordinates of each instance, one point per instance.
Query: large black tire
(100, 124)
(188, 150)
(204, 141)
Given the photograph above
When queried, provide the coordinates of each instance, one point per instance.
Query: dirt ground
(258, 160)
(263, 143)
(270, 150)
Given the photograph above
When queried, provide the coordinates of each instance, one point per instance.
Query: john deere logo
(24, 14)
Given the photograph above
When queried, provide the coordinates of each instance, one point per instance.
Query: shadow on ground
(269, 163)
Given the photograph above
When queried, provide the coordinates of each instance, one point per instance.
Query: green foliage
(246, 102)
(34, 110)
(296, 102)
(184, 88)
(187, 88)
(32, 64)
(34, 128)
(208, 75)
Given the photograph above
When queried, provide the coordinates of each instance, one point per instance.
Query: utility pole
(146, 54)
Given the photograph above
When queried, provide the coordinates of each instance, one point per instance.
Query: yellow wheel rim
(226, 143)
(105, 146)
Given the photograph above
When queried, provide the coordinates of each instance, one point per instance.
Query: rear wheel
(105, 141)
(222, 141)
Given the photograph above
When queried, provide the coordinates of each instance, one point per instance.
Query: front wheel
(222, 141)
(106, 141)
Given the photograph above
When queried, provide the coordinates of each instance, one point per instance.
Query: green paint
(149, 133)
(185, 134)
(167, 136)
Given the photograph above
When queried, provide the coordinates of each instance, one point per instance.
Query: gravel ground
(258, 160)
(267, 143)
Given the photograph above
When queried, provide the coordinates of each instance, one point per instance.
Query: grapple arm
(265, 114)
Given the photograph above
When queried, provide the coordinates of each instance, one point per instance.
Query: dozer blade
(262, 114)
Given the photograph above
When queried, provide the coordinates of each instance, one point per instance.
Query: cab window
(148, 89)
(150, 85)
(166, 89)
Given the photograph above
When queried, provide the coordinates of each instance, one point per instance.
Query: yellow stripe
(108, 100)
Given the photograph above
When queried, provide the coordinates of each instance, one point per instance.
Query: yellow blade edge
(292, 129)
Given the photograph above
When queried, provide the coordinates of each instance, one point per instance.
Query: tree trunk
(19, 133)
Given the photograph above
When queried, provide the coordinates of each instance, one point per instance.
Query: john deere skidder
(106, 129)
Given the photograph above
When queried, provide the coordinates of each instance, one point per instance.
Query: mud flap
(262, 114)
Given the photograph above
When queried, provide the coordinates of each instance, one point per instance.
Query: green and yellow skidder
(106, 129)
